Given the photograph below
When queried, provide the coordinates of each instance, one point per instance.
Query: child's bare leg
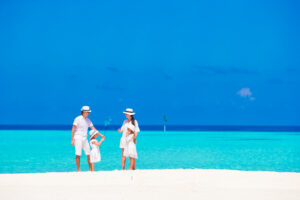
(123, 160)
(131, 163)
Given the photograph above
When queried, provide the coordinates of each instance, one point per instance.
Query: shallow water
(26, 151)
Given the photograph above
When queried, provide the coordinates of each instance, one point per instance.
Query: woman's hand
(119, 130)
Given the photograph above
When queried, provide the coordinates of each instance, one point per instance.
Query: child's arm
(99, 143)
(130, 137)
(135, 135)
(101, 135)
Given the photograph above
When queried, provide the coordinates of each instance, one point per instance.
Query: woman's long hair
(132, 120)
(133, 123)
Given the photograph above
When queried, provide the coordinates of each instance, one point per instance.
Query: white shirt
(125, 124)
(82, 125)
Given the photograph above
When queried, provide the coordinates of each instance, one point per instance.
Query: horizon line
(158, 127)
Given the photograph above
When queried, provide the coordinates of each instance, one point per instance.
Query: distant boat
(165, 123)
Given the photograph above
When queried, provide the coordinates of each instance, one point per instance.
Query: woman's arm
(137, 129)
(120, 130)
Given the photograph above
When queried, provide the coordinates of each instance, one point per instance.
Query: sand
(152, 184)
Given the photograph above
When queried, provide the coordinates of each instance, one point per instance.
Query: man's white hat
(129, 111)
(92, 133)
(131, 127)
(86, 109)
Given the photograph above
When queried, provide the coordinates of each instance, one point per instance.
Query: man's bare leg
(78, 163)
(88, 160)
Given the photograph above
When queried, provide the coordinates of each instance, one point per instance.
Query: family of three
(82, 123)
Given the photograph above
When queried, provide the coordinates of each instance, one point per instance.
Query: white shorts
(80, 144)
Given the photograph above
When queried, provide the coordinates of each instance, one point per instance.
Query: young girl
(95, 152)
(130, 148)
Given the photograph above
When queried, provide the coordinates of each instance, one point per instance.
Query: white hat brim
(86, 111)
(93, 134)
(129, 113)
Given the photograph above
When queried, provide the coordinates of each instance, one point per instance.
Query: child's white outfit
(124, 127)
(95, 155)
(130, 148)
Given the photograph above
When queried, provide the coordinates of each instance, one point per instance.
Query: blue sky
(199, 62)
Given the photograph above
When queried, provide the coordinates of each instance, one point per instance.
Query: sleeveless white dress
(130, 148)
(95, 152)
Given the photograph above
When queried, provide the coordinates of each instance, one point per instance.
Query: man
(79, 135)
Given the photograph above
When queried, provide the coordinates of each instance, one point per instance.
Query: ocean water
(35, 151)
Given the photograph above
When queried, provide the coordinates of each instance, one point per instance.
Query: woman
(129, 114)
(130, 149)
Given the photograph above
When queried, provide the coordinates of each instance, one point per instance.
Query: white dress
(130, 148)
(123, 141)
(95, 153)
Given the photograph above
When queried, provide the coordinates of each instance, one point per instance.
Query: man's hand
(72, 142)
(119, 130)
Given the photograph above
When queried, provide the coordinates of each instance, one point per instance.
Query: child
(95, 152)
(130, 148)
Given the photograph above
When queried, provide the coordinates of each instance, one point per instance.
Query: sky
(197, 62)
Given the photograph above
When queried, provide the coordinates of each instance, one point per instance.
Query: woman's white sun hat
(129, 111)
(92, 133)
(86, 109)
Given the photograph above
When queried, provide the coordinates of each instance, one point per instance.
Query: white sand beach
(152, 184)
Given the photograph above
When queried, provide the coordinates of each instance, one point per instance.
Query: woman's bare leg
(123, 160)
(133, 164)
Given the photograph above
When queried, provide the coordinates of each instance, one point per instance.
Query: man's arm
(72, 135)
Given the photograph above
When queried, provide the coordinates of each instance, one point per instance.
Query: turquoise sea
(34, 151)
